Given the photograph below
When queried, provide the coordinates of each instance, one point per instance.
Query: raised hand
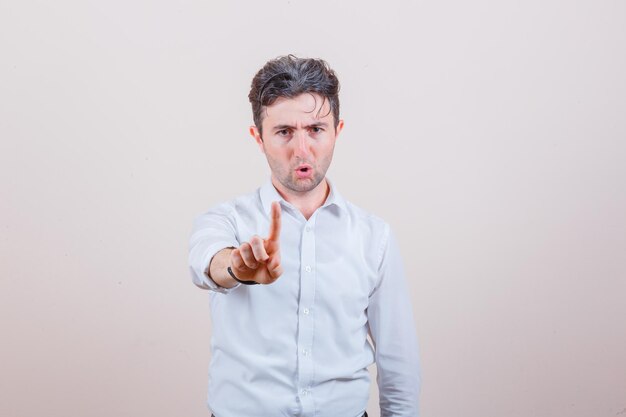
(259, 259)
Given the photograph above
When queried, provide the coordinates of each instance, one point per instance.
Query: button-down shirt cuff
(200, 270)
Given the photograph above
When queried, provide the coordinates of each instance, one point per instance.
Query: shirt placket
(306, 314)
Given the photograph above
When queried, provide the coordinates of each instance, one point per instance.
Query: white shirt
(298, 347)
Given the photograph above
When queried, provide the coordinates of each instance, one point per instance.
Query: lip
(304, 174)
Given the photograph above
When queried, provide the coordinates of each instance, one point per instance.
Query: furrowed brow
(281, 127)
(320, 124)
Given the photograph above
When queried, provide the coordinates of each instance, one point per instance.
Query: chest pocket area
(343, 282)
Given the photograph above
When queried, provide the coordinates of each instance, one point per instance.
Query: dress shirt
(298, 346)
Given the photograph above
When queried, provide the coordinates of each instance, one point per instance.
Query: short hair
(289, 76)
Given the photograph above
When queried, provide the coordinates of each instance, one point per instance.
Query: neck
(306, 201)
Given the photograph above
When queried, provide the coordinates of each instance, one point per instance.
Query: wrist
(232, 274)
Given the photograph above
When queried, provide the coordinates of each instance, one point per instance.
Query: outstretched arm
(214, 246)
(257, 260)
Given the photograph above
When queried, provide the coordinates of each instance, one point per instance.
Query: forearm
(217, 269)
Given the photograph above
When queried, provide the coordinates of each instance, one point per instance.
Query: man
(298, 276)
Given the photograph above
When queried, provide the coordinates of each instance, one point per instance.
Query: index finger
(274, 222)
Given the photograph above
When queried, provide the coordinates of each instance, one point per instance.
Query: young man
(298, 276)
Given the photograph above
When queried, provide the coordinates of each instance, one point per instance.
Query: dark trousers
(364, 415)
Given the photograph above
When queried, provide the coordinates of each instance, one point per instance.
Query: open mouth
(304, 171)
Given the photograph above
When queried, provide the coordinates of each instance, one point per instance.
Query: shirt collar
(269, 193)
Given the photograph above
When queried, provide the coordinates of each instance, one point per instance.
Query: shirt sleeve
(392, 328)
(211, 232)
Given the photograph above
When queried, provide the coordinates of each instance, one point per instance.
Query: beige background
(491, 134)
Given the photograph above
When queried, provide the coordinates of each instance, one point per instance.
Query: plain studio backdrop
(490, 134)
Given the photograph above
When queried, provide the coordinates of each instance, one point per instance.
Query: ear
(339, 128)
(254, 132)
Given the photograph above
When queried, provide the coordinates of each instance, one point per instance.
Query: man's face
(298, 140)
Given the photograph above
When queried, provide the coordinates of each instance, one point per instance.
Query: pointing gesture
(259, 259)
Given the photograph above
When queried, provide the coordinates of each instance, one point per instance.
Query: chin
(303, 185)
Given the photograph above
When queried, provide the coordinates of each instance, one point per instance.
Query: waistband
(364, 414)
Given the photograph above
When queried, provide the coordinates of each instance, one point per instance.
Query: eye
(283, 132)
(316, 129)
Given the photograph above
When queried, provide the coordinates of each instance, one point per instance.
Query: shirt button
(308, 228)
(306, 311)
(304, 392)
(307, 268)
(305, 352)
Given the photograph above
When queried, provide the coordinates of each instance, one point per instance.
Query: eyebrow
(281, 127)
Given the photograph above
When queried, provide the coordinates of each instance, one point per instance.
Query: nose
(302, 150)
